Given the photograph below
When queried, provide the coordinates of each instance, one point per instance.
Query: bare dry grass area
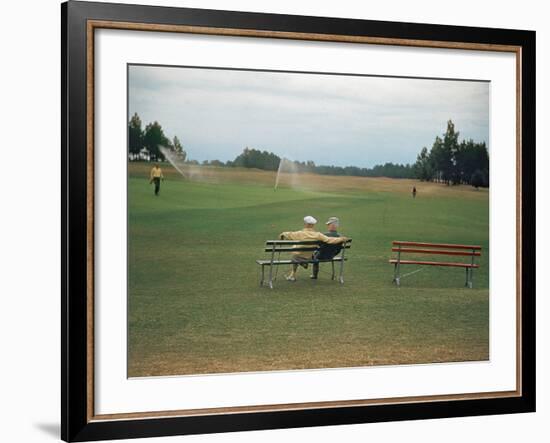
(308, 181)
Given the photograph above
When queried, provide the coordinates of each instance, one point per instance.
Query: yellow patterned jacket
(310, 234)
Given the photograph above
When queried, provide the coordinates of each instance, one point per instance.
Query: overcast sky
(330, 119)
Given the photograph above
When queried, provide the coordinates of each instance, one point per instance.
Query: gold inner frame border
(92, 25)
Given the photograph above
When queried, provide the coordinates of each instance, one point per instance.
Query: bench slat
(292, 242)
(297, 242)
(436, 245)
(285, 249)
(433, 263)
(290, 249)
(290, 262)
(437, 251)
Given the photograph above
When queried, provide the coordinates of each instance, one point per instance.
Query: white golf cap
(308, 219)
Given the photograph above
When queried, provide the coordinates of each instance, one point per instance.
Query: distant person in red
(414, 192)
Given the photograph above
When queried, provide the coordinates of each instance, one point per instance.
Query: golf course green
(195, 305)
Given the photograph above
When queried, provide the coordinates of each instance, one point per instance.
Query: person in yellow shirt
(155, 177)
(308, 233)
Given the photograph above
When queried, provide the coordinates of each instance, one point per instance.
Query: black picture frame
(77, 424)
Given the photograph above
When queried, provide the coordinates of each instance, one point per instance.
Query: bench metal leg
(469, 278)
(471, 273)
(263, 276)
(332, 263)
(341, 277)
(396, 269)
(270, 283)
(396, 276)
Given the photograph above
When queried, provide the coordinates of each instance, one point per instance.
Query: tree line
(254, 158)
(452, 162)
(151, 139)
(448, 160)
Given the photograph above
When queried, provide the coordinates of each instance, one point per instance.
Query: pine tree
(135, 135)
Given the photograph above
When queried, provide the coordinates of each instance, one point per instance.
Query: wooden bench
(407, 247)
(276, 247)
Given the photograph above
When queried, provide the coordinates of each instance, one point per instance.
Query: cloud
(331, 119)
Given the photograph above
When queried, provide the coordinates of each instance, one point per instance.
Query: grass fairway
(195, 304)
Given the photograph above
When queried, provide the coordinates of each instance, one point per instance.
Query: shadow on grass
(51, 429)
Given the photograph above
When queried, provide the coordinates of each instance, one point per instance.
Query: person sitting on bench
(327, 251)
(308, 233)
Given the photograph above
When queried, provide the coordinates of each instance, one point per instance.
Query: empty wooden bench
(401, 248)
(276, 247)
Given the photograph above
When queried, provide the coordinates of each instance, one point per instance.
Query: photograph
(289, 220)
